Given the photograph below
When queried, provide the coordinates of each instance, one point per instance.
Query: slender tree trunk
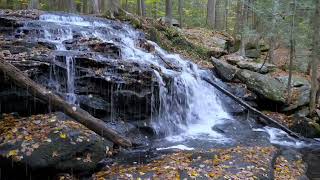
(143, 5)
(292, 50)
(141, 8)
(72, 6)
(238, 19)
(315, 58)
(211, 13)
(242, 27)
(126, 6)
(95, 6)
(169, 12)
(156, 10)
(226, 16)
(113, 7)
(33, 4)
(180, 12)
(273, 31)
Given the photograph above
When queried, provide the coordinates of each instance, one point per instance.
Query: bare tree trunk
(33, 4)
(243, 18)
(141, 8)
(180, 12)
(112, 7)
(126, 5)
(226, 16)
(237, 25)
(211, 13)
(273, 31)
(72, 6)
(292, 50)
(156, 10)
(315, 58)
(95, 6)
(169, 12)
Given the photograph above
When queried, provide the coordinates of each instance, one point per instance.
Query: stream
(165, 98)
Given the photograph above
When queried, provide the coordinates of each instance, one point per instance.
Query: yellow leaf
(194, 174)
(63, 136)
(12, 153)
(212, 175)
(28, 138)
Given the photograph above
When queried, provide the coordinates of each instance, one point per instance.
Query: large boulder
(306, 127)
(225, 71)
(301, 89)
(253, 53)
(264, 85)
(256, 67)
(50, 142)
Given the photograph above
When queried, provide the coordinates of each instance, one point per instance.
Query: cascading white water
(57, 36)
(183, 105)
(187, 106)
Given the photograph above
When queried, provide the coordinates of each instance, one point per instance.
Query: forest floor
(231, 163)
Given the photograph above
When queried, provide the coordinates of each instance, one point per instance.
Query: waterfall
(187, 104)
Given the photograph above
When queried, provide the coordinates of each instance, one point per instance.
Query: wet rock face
(103, 82)
(51, 141)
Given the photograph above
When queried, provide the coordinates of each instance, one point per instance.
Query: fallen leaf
(12, 153)
(63, 135)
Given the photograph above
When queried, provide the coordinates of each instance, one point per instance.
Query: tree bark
(292, 50)
(226, 16)
(141, 8)
(315, 59)
(58, 103)
(169, 12)
(34, 4)
(180, 12)
(211, 13)
(243, 18)
(113, 7)
(95, 6)
(238, 19)
(273, 31)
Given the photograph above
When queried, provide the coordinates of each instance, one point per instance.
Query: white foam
(279, 137)
(181, 147)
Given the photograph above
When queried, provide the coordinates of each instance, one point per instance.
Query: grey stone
(224, 70)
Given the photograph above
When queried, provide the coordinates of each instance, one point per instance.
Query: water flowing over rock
(154, 98)
(92, 58)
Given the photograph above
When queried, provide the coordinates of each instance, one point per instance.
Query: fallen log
(80, 115)
(252, 109)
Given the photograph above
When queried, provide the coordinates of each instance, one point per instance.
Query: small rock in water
(74, 108)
